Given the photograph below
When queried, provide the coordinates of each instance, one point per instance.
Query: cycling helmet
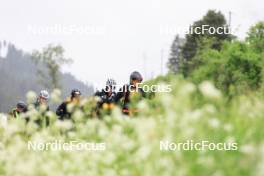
(44, 94)
(22, 105)
(136, 76)
(75, 92)
(110, 82)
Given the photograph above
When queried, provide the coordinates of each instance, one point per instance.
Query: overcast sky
(111, 38)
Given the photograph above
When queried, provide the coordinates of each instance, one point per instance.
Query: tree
(195, 41)
(235, 69)
(256, 36)
(52, 57)
(174, 63)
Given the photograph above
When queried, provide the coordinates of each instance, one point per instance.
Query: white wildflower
(116, 113)
(43, 108)
(206, 161)
(209, 90)
(247, 149)
(230, 139)
(55, 96)
(78, 115)
(260, 167)
(31, 97)
(83, 102)
(228, 127)
(3, 120)
(64, 125)
(195, 115)
(33, 114)
(103, 132)
(110, 172)
(128, 145)
(51, 115)
(143, 152)
(109, 158)
(166, 100)
(70, 107)
(117, 129)
(188, 88)
(189, 132)
(214, 122)
(218, 173)
(143, 105)
(209, 108)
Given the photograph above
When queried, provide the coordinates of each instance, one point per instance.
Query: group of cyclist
(108, 97)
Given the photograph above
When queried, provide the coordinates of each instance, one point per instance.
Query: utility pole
(230, 17)
(145, 64)
(161, 62)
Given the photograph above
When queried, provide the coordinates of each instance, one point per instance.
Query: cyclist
(42, 100)
(62, 110)
(129, 92)
(21, 107)
(107, 97)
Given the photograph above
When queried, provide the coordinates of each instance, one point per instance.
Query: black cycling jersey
(105, 97)
(62, 111)
(125, 92)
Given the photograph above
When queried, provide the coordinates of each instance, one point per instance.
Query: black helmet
(136, 76)
(75, 92)
(22, 105)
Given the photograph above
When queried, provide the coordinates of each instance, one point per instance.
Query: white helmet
(110, 82)
(44, 94)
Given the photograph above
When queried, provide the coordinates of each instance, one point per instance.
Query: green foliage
(256, 37)
(53, 58)
(175, 60)
(236, 68)
(195, 41)
(188, 112)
